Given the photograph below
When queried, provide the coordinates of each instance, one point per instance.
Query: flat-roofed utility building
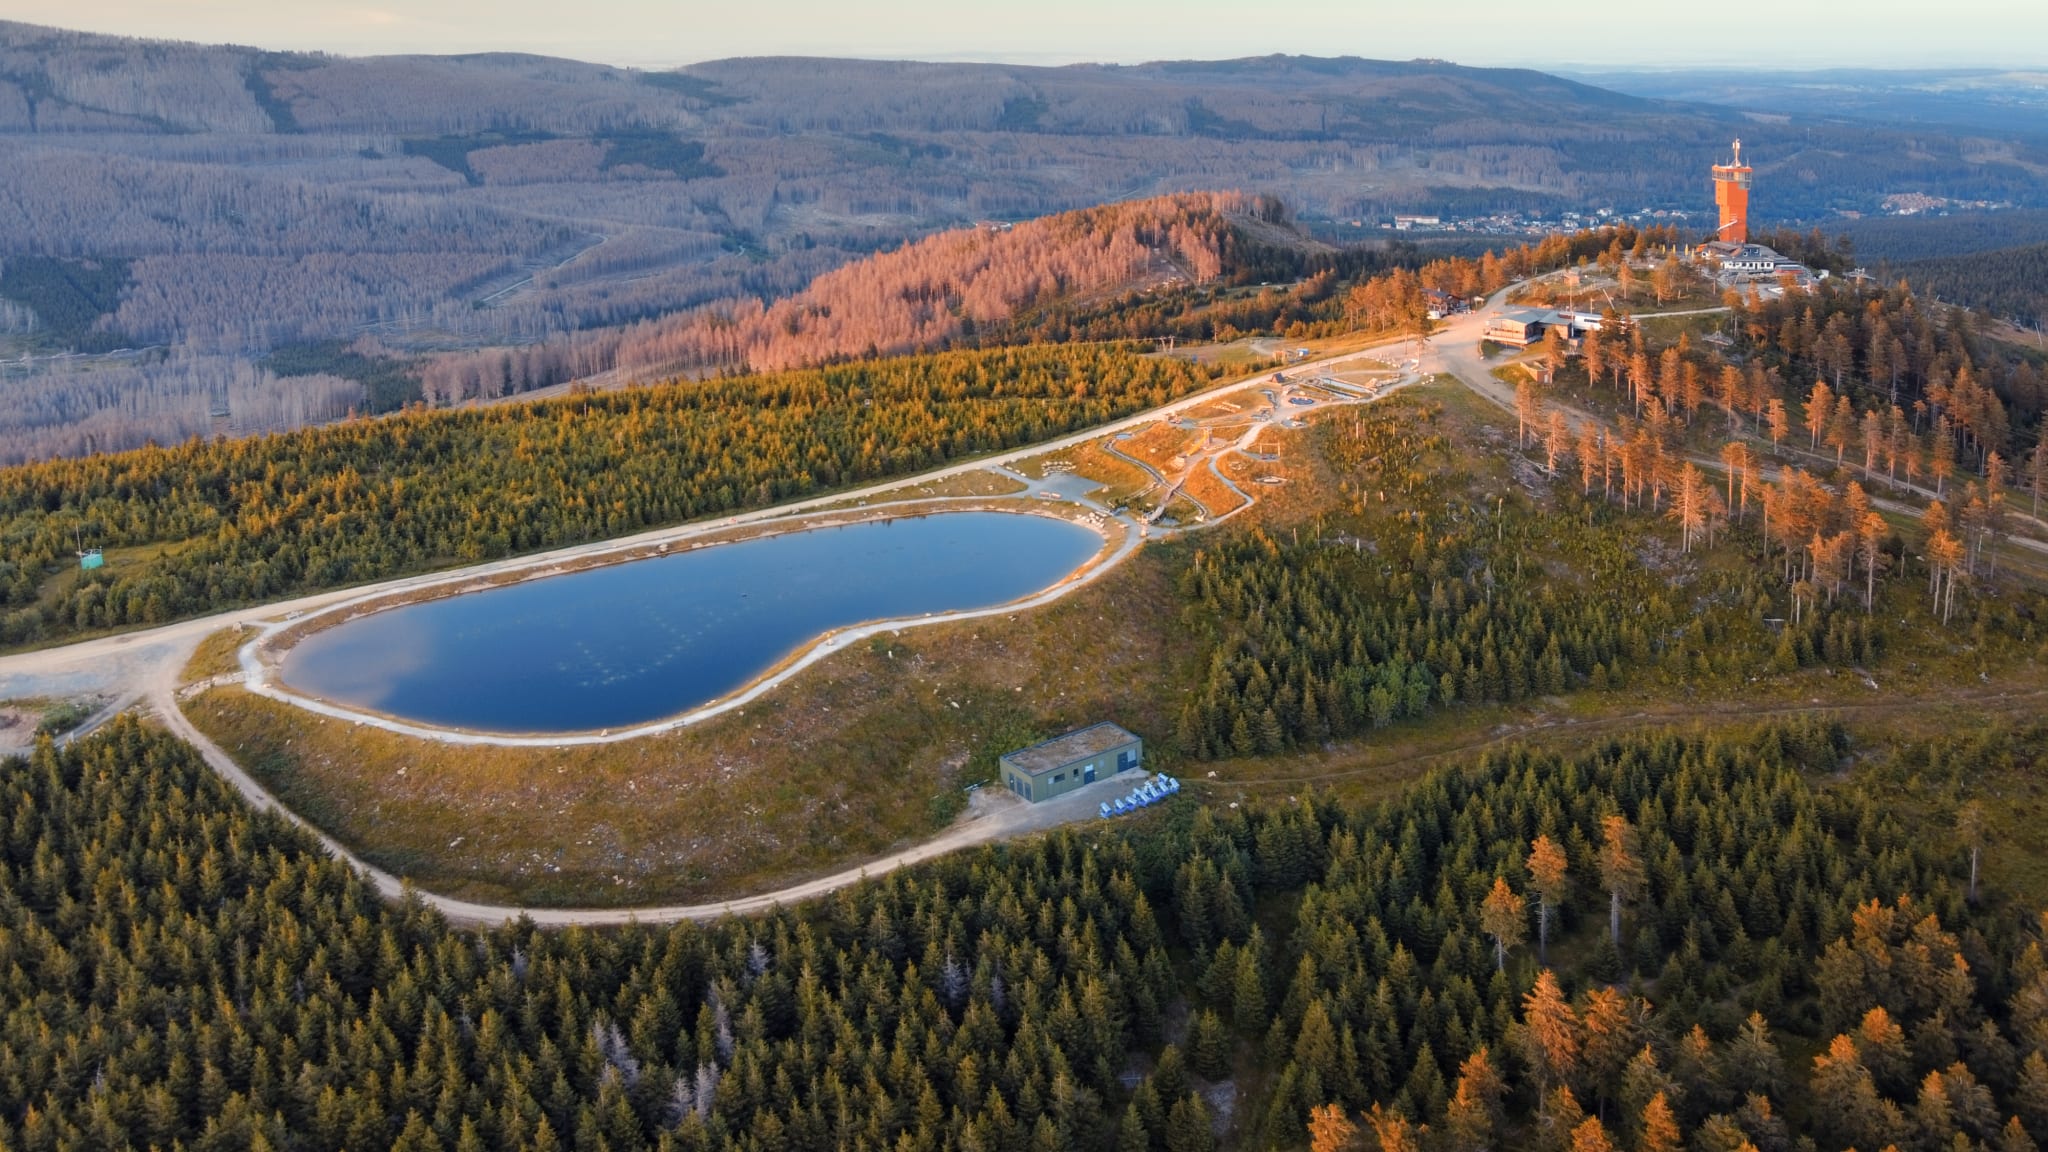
(1064, 763)
(1521, 327)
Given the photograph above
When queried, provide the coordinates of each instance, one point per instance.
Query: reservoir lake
(636, 642)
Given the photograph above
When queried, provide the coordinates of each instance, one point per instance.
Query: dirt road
(993, 814)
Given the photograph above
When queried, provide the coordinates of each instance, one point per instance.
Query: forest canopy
(2009, 283)
(1659, 941)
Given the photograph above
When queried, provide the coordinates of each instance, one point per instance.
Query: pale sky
(662, 33)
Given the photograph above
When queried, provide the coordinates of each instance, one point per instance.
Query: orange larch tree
(1621, 869)
(1548, 867)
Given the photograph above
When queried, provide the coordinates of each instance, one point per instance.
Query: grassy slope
(217, 655)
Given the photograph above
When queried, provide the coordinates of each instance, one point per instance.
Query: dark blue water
(623, 645)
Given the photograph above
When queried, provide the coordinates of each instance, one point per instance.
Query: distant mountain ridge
(114, 83)
(1430, 128)
(1266, 97)
(1992, 100)
(224, 204)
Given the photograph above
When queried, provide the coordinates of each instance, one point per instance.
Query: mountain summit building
(1731, 195)
(1735, 261)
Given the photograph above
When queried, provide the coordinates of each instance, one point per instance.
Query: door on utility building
(1088, 774)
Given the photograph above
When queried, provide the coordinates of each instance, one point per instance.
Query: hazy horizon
(1885, 34)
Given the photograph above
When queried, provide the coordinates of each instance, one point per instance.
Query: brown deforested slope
(921, 296)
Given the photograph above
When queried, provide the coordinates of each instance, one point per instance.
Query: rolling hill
(922, 296)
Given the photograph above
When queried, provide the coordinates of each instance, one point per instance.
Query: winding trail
(1158, 477)
(1227, 482)
(1159, 480)
(993, 815)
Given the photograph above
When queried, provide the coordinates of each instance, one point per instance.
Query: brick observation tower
(1731, 194)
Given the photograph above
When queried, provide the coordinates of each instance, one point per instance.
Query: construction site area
(1205, 463)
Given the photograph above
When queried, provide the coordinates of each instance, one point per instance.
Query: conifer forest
(1588, 678)
(1663, 941)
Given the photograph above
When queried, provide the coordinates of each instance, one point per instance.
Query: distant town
(1537, 224)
